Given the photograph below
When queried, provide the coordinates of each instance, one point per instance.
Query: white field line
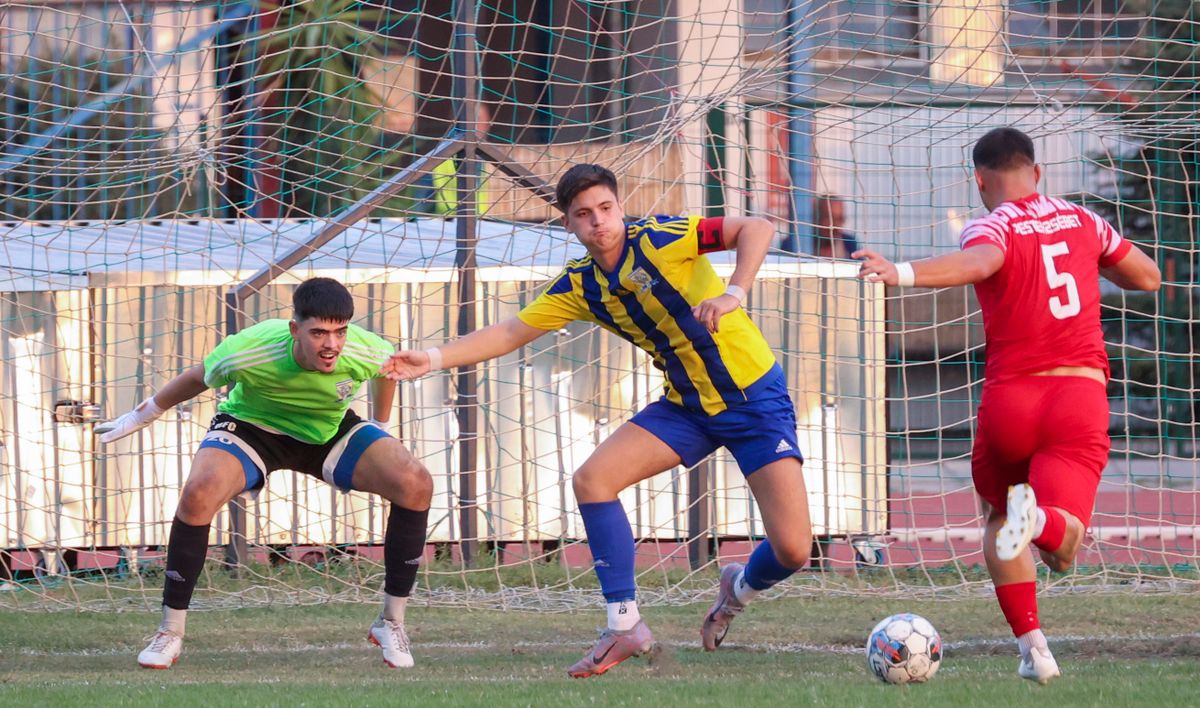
(768, 647)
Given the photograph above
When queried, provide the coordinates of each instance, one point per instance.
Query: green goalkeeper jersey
(271, 390)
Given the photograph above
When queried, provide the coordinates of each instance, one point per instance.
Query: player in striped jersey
(651, 283)
(289, 408)
(1042, 438)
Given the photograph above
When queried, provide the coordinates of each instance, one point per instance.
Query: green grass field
(1115, 649)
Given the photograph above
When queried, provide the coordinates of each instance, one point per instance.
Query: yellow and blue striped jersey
(648, 300)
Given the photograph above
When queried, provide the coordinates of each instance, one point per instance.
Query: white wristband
(905, 277)
(736, 291)
(435, 359)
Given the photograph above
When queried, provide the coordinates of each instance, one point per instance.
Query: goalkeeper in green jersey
(289, 408)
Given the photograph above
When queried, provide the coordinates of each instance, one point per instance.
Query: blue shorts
(261, 452)
(757, 432)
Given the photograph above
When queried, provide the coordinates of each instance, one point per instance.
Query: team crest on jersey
(642, 279)
(345, 389)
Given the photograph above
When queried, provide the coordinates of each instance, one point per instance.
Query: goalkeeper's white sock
(1039, 523)
(174, 620)
(393, 607)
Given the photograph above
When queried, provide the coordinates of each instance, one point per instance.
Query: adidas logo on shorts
(783, 446)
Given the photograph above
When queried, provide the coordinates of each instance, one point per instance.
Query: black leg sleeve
(186, 550)
(403, 546)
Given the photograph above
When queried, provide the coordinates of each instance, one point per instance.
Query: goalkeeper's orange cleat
(613, 648)
(162, 652)
(390, 636)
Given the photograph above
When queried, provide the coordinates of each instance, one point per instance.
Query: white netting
(157, 155)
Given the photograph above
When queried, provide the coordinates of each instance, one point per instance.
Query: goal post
(542, 409)
(158, 155)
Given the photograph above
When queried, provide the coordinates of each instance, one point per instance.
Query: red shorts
(1048, 431)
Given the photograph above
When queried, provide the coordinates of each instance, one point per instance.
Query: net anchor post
(700, 536)
(236, 549)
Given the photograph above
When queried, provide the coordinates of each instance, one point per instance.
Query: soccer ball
(904, 648)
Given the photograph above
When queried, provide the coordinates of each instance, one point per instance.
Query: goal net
(169, 171)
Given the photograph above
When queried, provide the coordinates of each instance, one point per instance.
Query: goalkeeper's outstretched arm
(183, 387)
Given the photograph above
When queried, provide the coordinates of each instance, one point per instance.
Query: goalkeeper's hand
(144, 414)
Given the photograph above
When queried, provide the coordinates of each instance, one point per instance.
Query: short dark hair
(323, 299)
(1003, 149)
(579, 178)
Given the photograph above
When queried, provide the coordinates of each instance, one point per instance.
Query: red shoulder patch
(710, 234)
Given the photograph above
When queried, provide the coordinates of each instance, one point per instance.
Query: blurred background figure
(830, 240)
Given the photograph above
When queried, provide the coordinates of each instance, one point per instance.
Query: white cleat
(1039, 665)
(1016, 533)
(391, 637)
(162, 652)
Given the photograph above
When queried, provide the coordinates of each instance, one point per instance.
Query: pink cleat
(722, 612)
(613, 648)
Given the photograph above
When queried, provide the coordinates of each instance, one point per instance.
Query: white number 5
(1061, 310)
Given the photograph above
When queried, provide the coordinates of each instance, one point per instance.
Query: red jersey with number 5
(1041, 310)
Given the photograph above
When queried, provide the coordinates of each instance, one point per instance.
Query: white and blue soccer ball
(904, 648)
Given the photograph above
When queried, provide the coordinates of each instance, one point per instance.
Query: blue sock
(611, 540)
(764, 570)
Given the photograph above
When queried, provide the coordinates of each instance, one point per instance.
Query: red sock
(1053, 532)
(1018, 602)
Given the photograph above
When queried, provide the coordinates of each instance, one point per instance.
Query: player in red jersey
(1042, 439)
